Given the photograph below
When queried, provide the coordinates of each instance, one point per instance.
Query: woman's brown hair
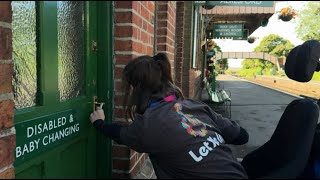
(147, 79)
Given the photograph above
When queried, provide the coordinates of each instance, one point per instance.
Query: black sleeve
(134, 135)
(230, 129)
(109, 129)
(131, 136)
(242, 138)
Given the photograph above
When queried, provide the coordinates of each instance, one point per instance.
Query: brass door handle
(96, 103)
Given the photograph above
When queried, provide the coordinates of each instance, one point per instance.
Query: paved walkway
(256, 108)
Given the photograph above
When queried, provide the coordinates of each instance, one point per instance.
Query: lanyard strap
(166, 99)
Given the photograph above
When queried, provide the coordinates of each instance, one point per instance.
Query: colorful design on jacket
(188, 121)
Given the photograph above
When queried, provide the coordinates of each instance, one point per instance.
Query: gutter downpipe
(195, 37)
(155, 50)
(203, 36)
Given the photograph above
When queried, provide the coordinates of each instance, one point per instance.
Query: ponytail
(164, 63)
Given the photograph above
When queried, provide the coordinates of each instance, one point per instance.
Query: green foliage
(308, 22)
(247, 73)
(257, 67)
(282, 49)
(247, 64)
(316, 76)
(217, 48)
(275, 45)
(231, 72)
(255, 63)
(259, 63)
(281, 74)
(268, 64)
(222, 64)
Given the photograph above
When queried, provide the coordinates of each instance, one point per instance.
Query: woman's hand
(97, 114)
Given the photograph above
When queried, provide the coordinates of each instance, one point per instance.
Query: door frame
(105, 82)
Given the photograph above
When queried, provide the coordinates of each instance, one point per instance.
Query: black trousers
(288, 152)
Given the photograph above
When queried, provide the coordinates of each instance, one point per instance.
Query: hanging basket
(287, 14)
(210, 44)
(208, 7)
(251, 40)
(285, 18)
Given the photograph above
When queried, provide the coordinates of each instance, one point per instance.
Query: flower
(287, 13)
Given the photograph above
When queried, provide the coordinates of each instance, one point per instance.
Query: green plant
(316, 76)
(248, 73)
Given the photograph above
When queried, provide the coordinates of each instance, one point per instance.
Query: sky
(275, 26)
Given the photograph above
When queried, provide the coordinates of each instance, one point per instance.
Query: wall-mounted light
(264, 22)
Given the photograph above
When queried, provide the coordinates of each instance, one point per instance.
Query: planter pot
(208, 7)
(250, 41)
(286, 18)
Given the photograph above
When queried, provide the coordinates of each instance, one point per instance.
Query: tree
(275, 45)
(248, 64)
(255, 63)
(308, 22)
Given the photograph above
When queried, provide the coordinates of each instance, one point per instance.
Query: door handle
(94, 46)
(96, 103)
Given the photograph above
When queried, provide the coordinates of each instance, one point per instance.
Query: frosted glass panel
(71, 49)
(24, 53)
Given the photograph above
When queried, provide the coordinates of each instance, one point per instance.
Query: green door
(56, 59)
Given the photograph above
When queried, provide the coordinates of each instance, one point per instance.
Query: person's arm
(242, 138)
(231, 131)
(109, 129)
(131, 136)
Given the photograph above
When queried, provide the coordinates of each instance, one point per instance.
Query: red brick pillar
(7, 131)
(166, 23)
(179, 43)
(187, 48)
(133, 36)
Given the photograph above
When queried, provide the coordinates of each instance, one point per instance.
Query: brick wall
(134, 36)
(7, 131)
